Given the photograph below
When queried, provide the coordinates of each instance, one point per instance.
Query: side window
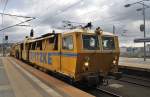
(33, 46)
(90, 42)
(52, 43)
(39, 45)
(108, 43)
(68, 42)
(51, 40)
(22, 46)
(26, 46)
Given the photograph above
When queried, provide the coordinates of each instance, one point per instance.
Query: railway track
(112, 94)
(100, 92)
(136, 80)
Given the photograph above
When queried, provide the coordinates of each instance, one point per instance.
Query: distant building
(6, 47)
(134, 51)
(148, 50)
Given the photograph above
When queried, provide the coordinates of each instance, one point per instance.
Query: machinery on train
(83, 55)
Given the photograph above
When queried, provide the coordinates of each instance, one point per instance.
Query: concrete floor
(13, 83)
(5, 86)
(135, 62)
(18, 79)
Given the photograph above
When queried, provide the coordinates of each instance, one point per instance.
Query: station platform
(20, 80)
(135, 63)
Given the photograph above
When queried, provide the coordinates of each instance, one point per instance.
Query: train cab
(92, 56)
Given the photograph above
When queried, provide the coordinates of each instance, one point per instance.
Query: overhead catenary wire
(15, 15)
(61, 11)
(69, 7)
(5, 5)
(111, 19)
(4, 10)
(98, 19)
(17, 24)
(20, 16)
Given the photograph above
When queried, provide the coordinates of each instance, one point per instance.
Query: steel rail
(109, 92)
(131, 82)
(137, 78)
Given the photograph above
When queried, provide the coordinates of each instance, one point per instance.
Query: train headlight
(114, 62)
(86, 64)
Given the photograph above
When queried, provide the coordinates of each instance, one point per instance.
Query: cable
(5, 5)
(69, 7)
(65, 9)
(15, 15)
(17, 24)
(96, 13)
(4, 10)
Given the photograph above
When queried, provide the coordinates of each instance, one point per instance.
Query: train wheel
(105, 82)
(71, 81)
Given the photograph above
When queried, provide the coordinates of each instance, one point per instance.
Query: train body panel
(46, 59)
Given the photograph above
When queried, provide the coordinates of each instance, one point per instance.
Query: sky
(50, 15)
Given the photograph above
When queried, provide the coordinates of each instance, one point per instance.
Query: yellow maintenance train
(81, 55)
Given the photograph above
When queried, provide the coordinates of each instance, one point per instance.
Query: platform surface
(5, 86)
(135, 63)
(13, 83)
(17, 79)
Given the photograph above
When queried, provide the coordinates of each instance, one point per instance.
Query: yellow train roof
(87, 31)
(50, 35)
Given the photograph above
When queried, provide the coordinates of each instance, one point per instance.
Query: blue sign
(138, 40)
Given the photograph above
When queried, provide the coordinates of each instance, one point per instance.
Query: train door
(21, 48)
(25, 50)
(68, 54)
(117, 44)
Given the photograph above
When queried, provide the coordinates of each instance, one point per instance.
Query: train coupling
(117, 75)
(93, 80)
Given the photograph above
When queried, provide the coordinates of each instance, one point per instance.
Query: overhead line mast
(3, 39)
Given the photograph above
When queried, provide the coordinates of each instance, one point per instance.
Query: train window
(52, 43)
(21, 46)
(29, 46)
(90, 42)
(25, 46)
(68, 42)
(108, 43)
(51, 40)
(33, 46)
(56, 42)
(39, 45)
